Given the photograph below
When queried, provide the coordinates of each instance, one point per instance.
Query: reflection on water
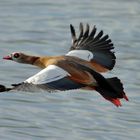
(40, 27)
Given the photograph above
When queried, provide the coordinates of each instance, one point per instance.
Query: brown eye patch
(16, 55)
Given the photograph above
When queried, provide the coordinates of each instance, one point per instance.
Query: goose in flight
(90, 54)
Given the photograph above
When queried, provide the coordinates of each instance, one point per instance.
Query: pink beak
(7, 57)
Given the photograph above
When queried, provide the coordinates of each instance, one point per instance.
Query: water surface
(42, 28)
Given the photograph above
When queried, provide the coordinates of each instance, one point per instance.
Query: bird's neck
(41, 62)
(26, 59)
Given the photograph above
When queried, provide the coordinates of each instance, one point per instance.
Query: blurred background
(41, 27)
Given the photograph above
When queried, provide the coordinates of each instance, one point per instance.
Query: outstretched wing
(93, 47)
(55, 78)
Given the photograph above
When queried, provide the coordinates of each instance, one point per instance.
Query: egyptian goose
(89, 55)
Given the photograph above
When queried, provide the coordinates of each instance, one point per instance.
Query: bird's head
(20, 58)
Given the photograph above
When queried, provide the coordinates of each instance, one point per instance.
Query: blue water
(41, 27)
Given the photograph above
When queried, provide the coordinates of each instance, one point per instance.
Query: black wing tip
(71, 25)
(72, 28)
(87, 37)
(4, 89)
(73, 34)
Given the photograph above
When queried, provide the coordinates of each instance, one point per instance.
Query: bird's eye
(16, 55)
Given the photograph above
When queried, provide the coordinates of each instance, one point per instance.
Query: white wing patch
(47, 75)
(83, 54)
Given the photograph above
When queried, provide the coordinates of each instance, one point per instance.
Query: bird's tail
(110, 88)
(112, 91)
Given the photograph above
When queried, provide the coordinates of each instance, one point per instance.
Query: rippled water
(41, 27)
